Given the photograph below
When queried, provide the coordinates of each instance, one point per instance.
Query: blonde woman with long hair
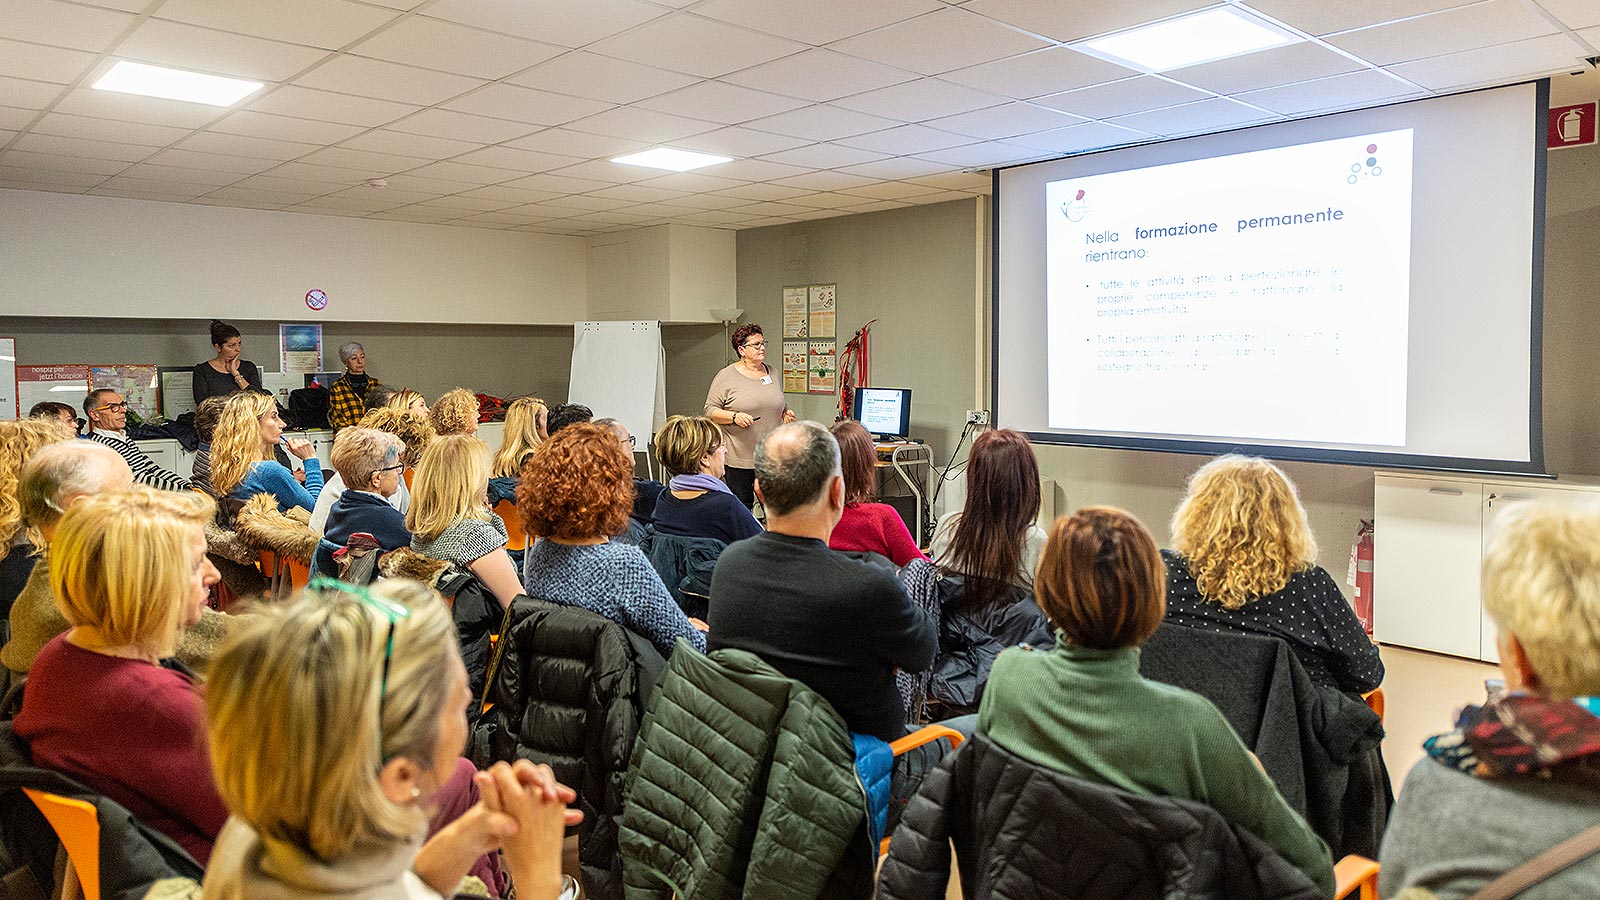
(337, 806)
(242, 463)
(450, 519)
(407, 400)
(1244, 560)
(525, 431)
(18, 442)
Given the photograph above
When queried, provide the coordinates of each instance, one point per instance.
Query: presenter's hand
(299, 447)
(788, 416)
(743, 420)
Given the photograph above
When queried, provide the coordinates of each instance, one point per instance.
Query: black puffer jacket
(1021, 831)
(568, 688)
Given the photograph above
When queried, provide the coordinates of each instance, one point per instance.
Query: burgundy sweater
(133, 731)
(875, 528)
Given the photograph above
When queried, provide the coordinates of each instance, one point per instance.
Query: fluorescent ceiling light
(175, 84)
(1188, 40)
(674, 160)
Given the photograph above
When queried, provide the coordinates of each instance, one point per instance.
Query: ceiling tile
(1043, 72)
(103, 129)
(460, 202)
(46, 179)
(447, 123)
(820, 181)
(508, 195)
(577, 202)
(366, 162)
(685, 43)
(132, 6)
(878, 205)
(575, 143)
(66, 146)
(27, 94)
(255, 124)
(1191, 118)
(1281, 65)
(330, 24)
(326, 106)
(715, 101)
(569, 23)
(926, 98)
(218, 162)
(823, 156)
(632, 193)
(1539, 56)
(814, 21)
(32, 61)
(414, 215)
(640, 125)
(248, 195)
(829, 199)
(754, 170)
(181, 174)
(14, 119)
(387, 81)
(1129, 95)
(890, 190)
(63, 24)
(988, 153)
(520, 104)
(205, 50)
(1080, 18)
(1321, 17)
(956, 181)
(524, 161)
(365, 198)
(905, 140)
(707, 201)
(1004, 120)
(603, 170)
(239, 145)
(1452, 31)
(477, 175)
(820, 75)
(1339, 92)
(820, 214)
(175, 196)
(900, 167)
(739, 142)
(940, 197)
(750, 192)
(136, 183)
(596, 77)
(822, 123)
(57, 162)
(560, 184)
(403, 144)
(411, 182)
(448, 47)
(1574, 13)
(772, 208)
(281, 184)
(237, 204)
(939, 42)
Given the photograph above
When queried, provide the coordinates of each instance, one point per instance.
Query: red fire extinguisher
(1361, 573)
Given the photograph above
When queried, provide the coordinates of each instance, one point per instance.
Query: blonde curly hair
(413, 430)
(19, 440)
(236, 446)
(1242, 530)
(456, 412)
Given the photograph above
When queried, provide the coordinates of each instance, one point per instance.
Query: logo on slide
(1076, 208)
(1368, 167)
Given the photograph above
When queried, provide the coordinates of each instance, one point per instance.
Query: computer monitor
(885, 412)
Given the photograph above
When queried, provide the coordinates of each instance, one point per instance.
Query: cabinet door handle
(1447, 491)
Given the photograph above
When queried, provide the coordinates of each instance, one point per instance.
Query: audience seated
(525, 431)
(206, 417)
(448, 517)
(407, 400)
(645, 490)
(1518, 775)
(565, 414)
(336, 805)
(415, 431)
(576, 493)
(697, 503)
(997, 522)
(456, 412)
(837, 623)
(60, 413)
(1244, 560)
(370, 461)
(19, 441)
(242, 462)
(108, 423)
(866, 525)
(1082, 708)
(103, 703)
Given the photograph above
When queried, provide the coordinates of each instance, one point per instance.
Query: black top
(14, 572)
(710, 515)
(1309, 613)
(828, 619)
(645, 492)
(208, 382)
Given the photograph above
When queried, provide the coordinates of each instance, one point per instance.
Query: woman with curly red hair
(577, 491)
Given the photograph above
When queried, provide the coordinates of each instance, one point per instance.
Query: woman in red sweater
(104, 703)
(865, 525)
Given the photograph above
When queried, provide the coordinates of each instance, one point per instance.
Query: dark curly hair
(743, 333)
(578, 485)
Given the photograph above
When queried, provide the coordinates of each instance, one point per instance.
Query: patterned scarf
(1520, 734)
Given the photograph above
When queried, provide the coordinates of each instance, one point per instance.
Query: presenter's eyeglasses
(756, 345)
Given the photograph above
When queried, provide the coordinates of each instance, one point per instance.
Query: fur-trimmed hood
(260, 525)
(408, 563)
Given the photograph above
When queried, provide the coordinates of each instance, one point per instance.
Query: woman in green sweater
(1084, 710)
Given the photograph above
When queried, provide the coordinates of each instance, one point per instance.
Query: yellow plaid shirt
(345, 406)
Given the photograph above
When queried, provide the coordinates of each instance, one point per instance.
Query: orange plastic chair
(284, 575)
(1374, 700)
(77, 825)
(927, 734)
(1355, 872)
(408, 474)
(515, 538)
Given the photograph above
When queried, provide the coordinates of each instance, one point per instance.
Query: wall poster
(794, 367)
(822, 368)
(138, 385)
(794, 312)
(821, 307)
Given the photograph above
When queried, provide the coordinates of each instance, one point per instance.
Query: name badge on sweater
(766, 379)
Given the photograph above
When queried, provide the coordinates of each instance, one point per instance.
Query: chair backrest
(515, 538)
(77, 824)
(685, 565)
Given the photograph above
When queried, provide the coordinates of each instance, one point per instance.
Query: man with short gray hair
(832, 620)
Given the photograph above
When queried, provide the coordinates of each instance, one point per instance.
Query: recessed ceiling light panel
(671, 159)
(175, 84)
(1188, 40)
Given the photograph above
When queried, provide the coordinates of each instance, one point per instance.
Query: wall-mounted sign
(316, 299)
(1572, 126)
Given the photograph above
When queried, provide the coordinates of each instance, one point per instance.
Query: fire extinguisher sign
(1572, 126)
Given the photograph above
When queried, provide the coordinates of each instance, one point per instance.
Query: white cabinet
(492, 433)
(165, 454)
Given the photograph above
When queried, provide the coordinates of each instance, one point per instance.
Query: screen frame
(1535, 464)
(905, 411)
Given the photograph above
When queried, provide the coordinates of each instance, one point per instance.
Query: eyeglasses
(632, 441)
(113, 406)
(756, 345)
(391, 610)
(394, 468)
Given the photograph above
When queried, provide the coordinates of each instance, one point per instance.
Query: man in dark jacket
(833, 621)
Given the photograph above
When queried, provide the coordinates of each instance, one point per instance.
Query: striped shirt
(145, 470)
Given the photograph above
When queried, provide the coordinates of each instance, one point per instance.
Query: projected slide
(1261, 295)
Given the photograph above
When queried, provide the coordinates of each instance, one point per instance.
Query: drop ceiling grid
(437, 97)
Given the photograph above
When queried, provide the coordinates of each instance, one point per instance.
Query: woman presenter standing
(746, 399)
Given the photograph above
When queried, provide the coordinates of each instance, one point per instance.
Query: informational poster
(67, 384)
(139, 385)
(8, 379)
(177, 391)
(794, 367)
(300, 348)
(821, 305)
(823, 367)
(794, 312)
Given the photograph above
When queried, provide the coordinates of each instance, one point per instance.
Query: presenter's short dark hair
(222, 332)
(743, 333)
(566, 414)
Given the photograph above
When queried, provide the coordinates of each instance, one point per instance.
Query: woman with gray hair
(351, 395)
